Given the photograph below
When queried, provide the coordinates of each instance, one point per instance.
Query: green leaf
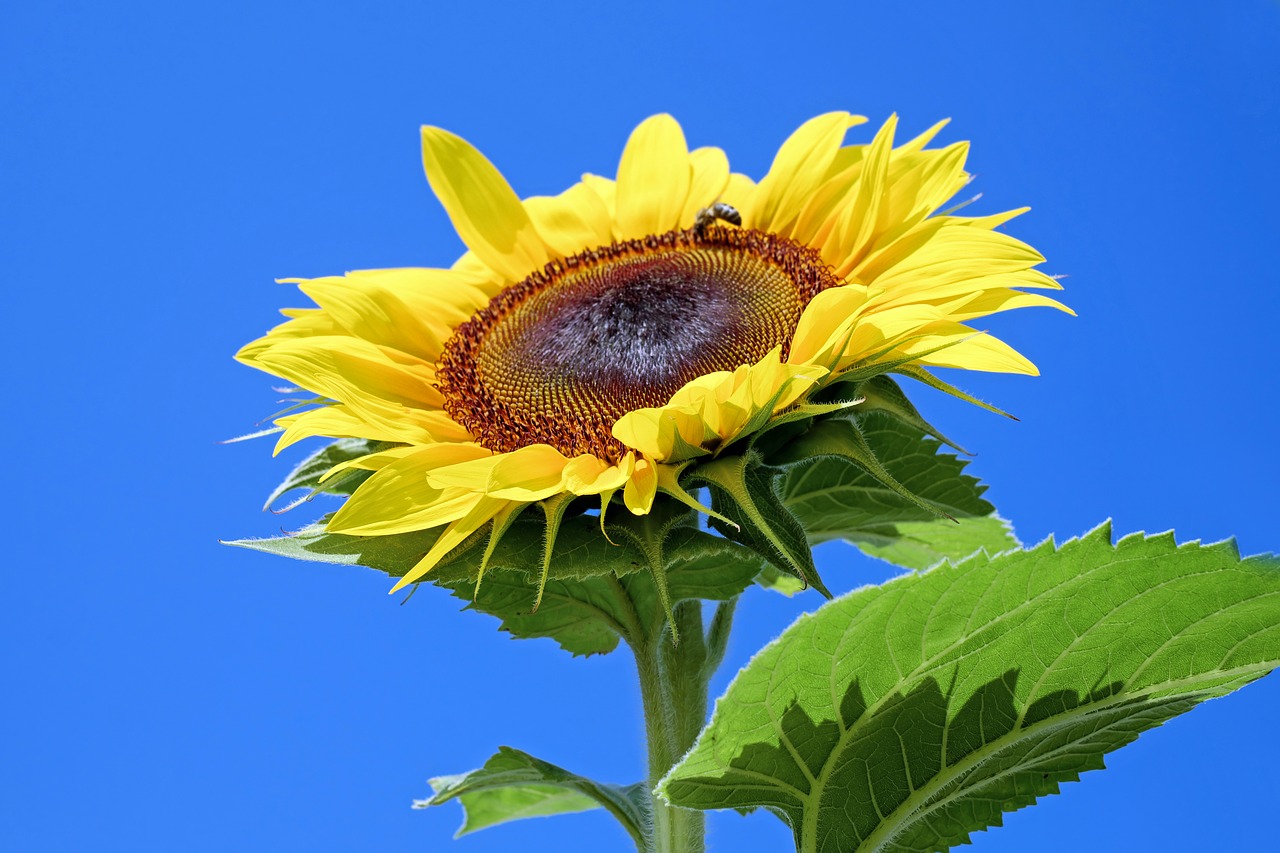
(921, 544)
(745, 491)
(699, 566)
(578, 610)
(589, 615)
(580, 550)
(513, 785)
(883, 394)
(308, 472)
(583, 616)
(906, 716)
(595, 590)
(836, 499)
(781, 582)
(394, 555)
(843, 439)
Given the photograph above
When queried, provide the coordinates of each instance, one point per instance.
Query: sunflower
(632, 339)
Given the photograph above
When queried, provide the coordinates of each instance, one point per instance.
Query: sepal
(743, 490)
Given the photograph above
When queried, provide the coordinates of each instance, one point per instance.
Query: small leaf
(588, 615)
(884, 395)
(684, 563)
(745, 491)
(513, 785)
(579, 607)
(921, 375)
(582, 615)
(580, 551)
(842, 439)
(836, 499)
(699, 566)
(906, 716)
(594, 587)
(393, 555)
(780, 582)
(308, 472)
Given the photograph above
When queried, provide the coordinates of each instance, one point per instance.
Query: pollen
(559, 357)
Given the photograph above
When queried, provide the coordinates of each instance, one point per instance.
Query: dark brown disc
(559, 357)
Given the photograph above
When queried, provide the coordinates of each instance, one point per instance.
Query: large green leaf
(513, 785)
(836, 499)
(906, 716)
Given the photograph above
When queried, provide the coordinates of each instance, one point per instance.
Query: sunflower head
(638, 339)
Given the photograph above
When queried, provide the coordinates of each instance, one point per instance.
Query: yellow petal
(989, 222)
(459, 291)
(820, 211)
(653, 431)
(371, 461)
(471, 475)
(571, 222)
(873, 333)
(353, 371)
(714, 408)
(414, 311)
(969, 350)
(606, 189)
(589, 475)
(485, 211)
(411, 426)
(641, 430)
(399, 499)
(863, 218)
(738, 193)
(1003, 299)
(827, 316)
(531, 473)
(710, 177)
(955, 254)
(641, 488)
(799, 167)
(919, 142)
(528, 474)
(941, 177)
(478, 274)
(653, 178)
(481, 513)
(302, 323)
(958, 294)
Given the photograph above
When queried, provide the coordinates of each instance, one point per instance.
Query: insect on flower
(708, 215)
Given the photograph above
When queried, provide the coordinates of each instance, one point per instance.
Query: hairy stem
(673, 688)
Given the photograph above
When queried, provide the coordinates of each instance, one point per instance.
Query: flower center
(561, 356)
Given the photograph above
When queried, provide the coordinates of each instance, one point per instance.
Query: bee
(718, 210)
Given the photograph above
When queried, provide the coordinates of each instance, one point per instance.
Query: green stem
(718, 635)
(673, 689)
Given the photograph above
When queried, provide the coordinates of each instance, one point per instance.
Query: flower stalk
(673, 689)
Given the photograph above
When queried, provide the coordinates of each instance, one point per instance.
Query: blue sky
(161, 164)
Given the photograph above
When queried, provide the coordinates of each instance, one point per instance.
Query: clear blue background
(163, 162)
